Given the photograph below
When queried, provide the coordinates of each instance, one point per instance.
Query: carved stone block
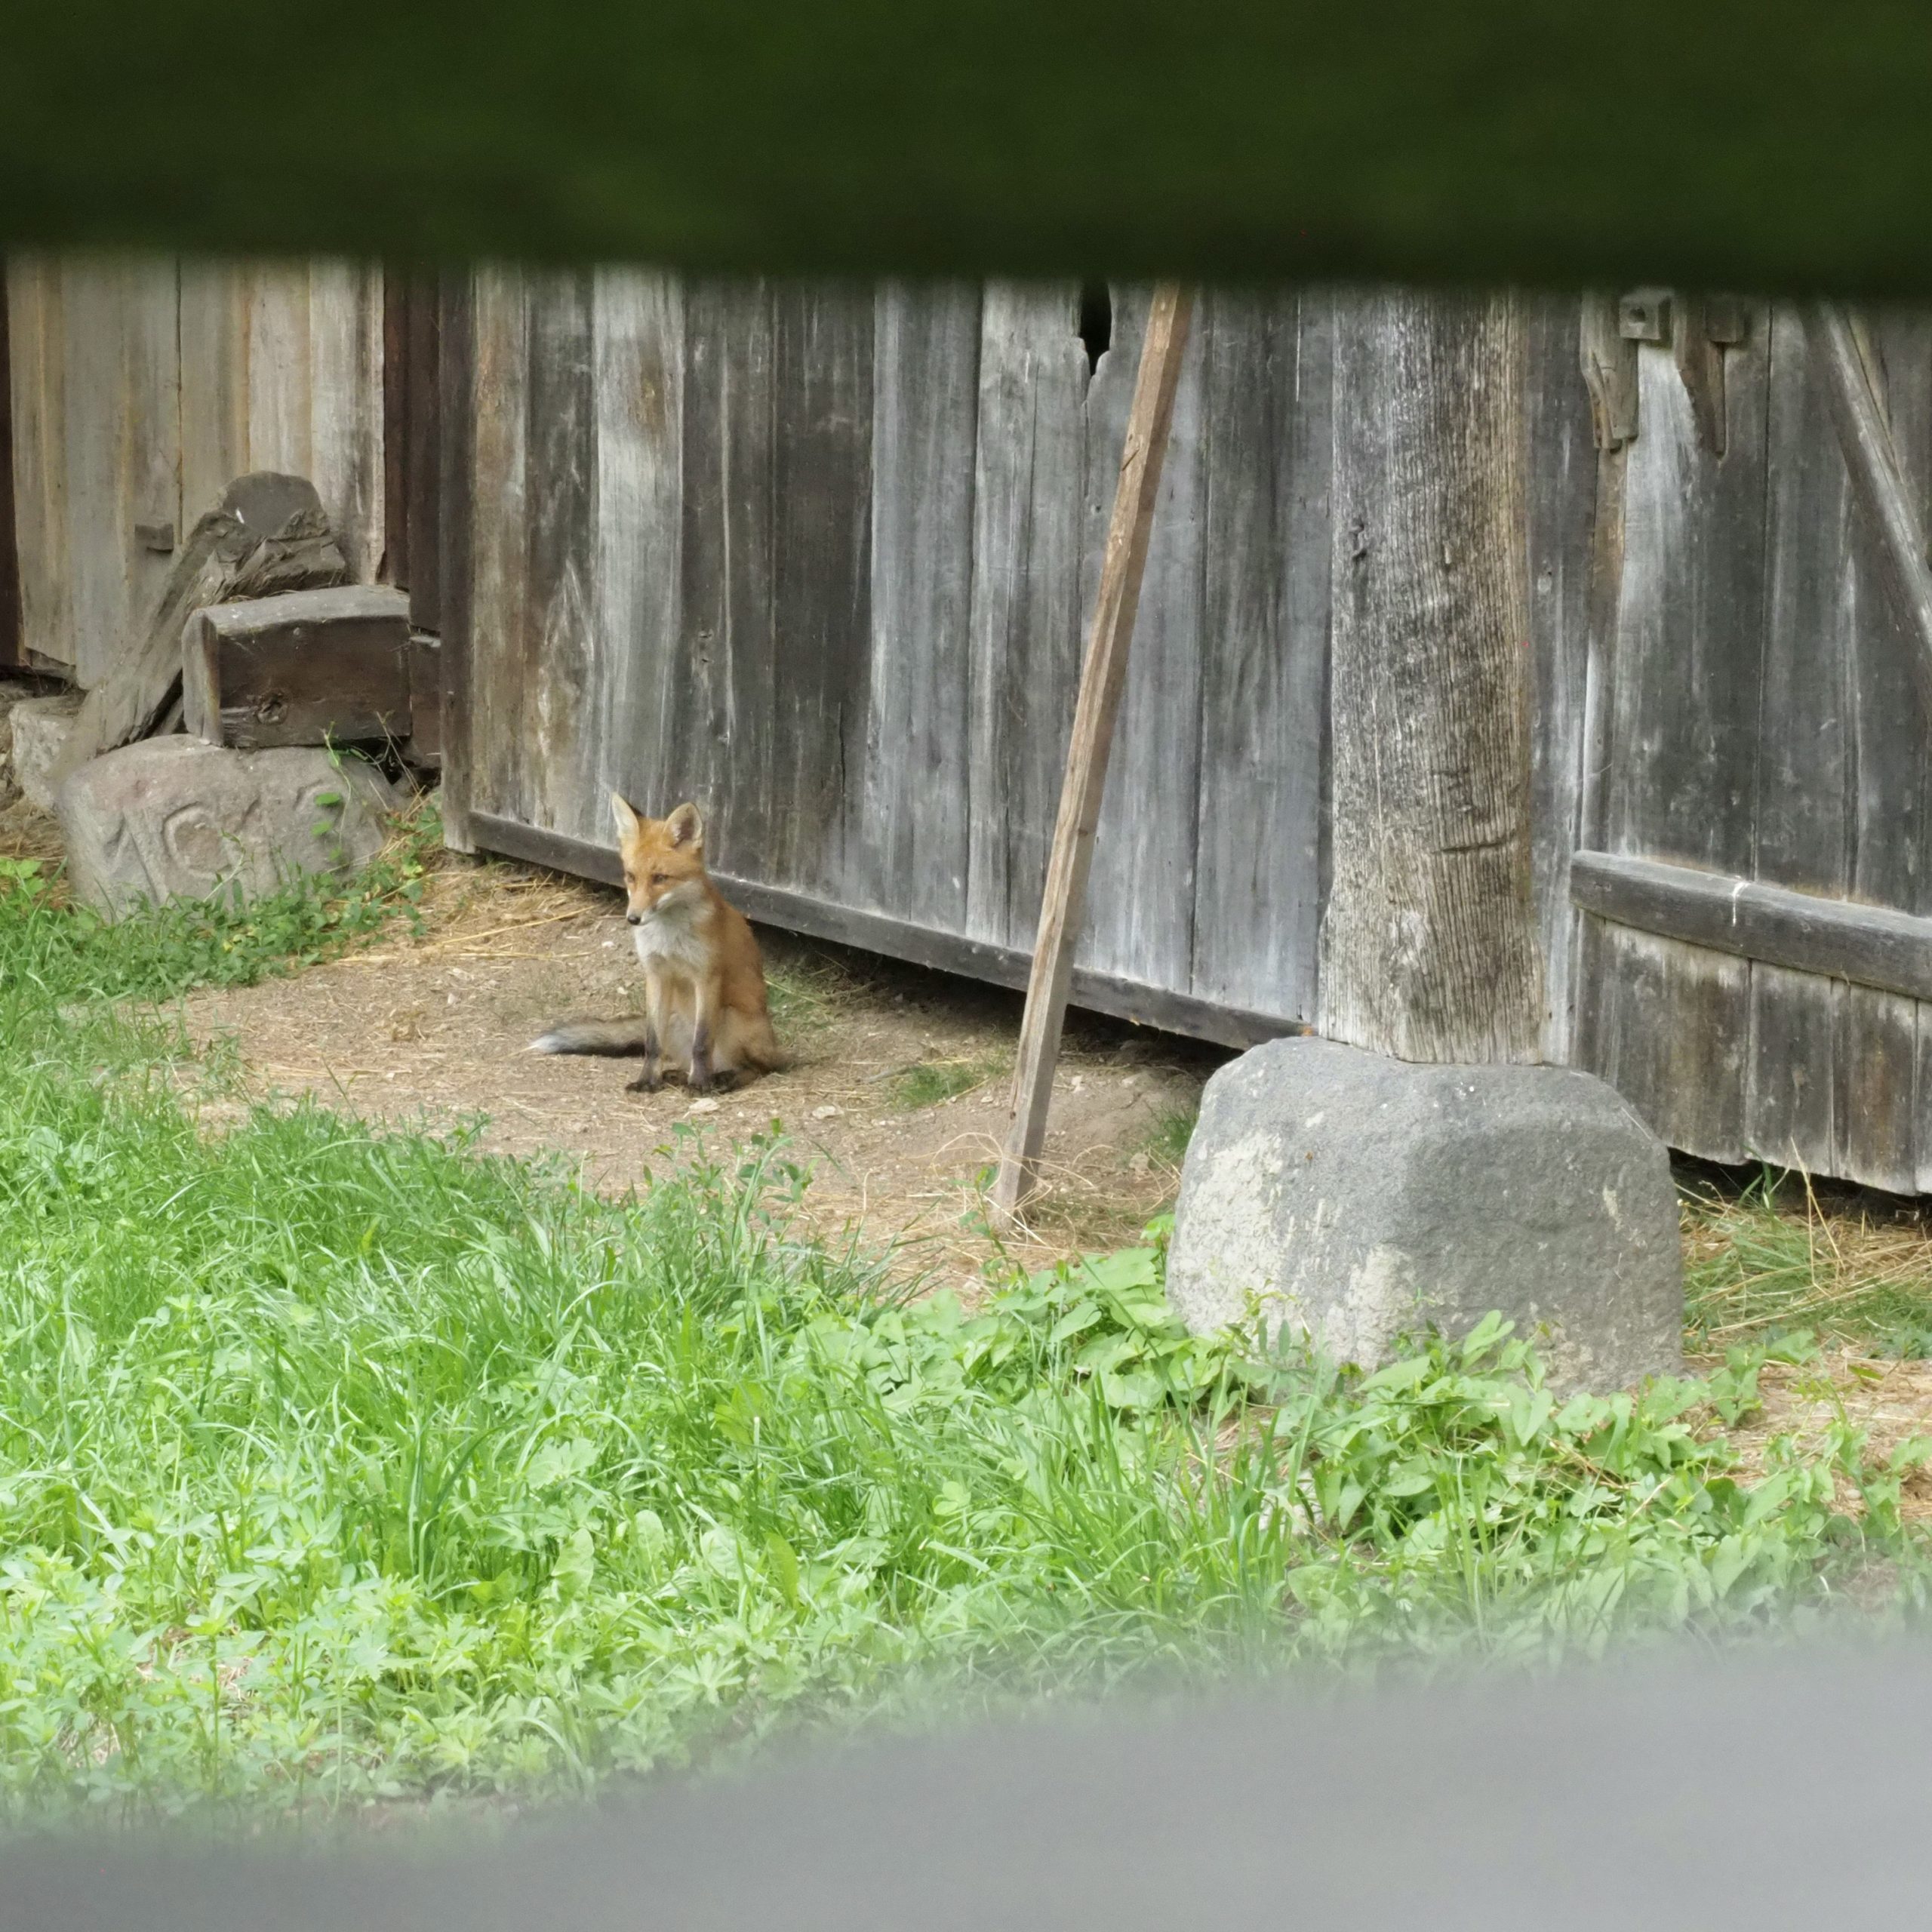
(174, 818)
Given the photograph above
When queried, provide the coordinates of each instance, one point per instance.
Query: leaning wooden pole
(1102, 678)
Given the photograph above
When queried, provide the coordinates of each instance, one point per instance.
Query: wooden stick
(1877, 477)
(1102, 677)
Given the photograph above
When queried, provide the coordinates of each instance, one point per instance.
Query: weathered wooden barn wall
(819, 557)
(1762, 723)
(822, 558)
(140, 387)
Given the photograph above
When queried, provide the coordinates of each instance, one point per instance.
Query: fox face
(664, 860)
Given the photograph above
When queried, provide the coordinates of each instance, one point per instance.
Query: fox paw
(645, 1083)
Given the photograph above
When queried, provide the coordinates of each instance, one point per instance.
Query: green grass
(1167, 1139)
(926, 1082)
(337, 1465)
(1768, 1261)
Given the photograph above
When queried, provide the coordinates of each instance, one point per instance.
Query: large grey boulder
(1361, 1198)
(174, 818)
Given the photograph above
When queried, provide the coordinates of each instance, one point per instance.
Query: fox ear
(625, 815)
(685, 827)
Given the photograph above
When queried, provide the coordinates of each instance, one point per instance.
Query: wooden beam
(1871, 945)
(902, 939)
(1102, 679)
(1877, 477)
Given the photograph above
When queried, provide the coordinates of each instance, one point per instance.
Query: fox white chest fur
(673, 938)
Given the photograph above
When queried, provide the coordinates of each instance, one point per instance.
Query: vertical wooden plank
(1682, 738)
(639, 399)
(1803, 823)
(456, 465)
(727, 654)
(279, 356)
(821, 580)
(498, 777)
(1668, 1021)
(554, 657)
(214, 381)
(411, 432)
(39, 393)
(1902, 799)
(12, 646)
(120, 317)
(913, 836)
(1267, 369)
(345, 374)
(1561, 504)
(1139, 919)
(1877, 1051)
(1029, 464)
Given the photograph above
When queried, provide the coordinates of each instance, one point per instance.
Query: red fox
(704, 983)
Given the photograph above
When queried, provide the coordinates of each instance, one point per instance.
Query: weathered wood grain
(1561, 465)
(314, 668)
(457, 533)
(1140, 899)
(411, 432)
(912, 838)
(38, 385)
(494, 744)
(1428, 946)
(1027, 533)
(1873, 464)
(728, 659)
(1266, 463)
(96, 395)
(12, 646)
(1878, 1037)
(558, 657)
(820, 594)
(1103, 684)
(639, 320)
(282, 369)
(1803, 825)
(1876, 947)
(1682, 738)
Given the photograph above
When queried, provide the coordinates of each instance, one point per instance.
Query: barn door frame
(13, 643)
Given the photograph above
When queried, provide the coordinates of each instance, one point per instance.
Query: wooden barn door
(1755, 887)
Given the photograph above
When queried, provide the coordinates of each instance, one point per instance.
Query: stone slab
(174, 818)
(37, 735)
(1355, 1199)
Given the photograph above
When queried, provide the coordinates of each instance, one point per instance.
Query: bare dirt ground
(897, 1099)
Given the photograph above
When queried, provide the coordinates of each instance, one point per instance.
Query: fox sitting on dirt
(704, 983)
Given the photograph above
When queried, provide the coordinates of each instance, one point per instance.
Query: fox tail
(617, 1039)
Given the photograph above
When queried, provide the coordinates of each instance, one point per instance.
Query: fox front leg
(704, 1078)
(652, 1077)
